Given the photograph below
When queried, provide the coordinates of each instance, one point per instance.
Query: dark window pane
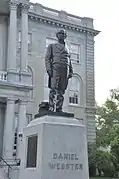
(15, 140)
(76, 100)
(73, 100)
(15, 147)
(14, 154)
(32, 152)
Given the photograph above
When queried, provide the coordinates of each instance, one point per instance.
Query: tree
(114, 144)
(100, 161)
(106, 118)
(104, 154)
(92, 149)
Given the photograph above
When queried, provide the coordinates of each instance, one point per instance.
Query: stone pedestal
(54, 147)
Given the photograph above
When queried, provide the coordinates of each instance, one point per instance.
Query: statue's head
(61, 34)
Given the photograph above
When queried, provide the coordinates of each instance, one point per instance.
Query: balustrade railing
(3, 76)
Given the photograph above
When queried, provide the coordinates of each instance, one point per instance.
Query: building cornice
(60, 24)
(38, 14)
(17, 86)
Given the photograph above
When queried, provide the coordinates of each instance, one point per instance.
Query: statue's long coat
(57, 61)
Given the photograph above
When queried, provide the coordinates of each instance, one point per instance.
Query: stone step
(11, 162)
(3, 174)
(13, 173)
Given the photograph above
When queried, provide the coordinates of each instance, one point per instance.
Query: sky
(105, 14)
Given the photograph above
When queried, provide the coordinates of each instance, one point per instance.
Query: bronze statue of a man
(59, 69)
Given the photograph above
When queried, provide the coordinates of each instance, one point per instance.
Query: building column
(22, 122)
(8, 138)
(2, 119)
(12, 42)
(24, 37)
(24, 43)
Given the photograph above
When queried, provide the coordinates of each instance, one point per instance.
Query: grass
(99, 178)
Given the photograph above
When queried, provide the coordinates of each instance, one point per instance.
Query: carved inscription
(65, 161)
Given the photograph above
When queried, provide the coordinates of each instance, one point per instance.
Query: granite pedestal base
(54, 147)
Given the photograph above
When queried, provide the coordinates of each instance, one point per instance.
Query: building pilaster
(12, 42)
(24, 37)
(22, 122)
(24, 42)
(8, 138)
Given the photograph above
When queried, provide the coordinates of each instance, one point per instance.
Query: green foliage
(101, 160)
(104, 154)
(92, 159)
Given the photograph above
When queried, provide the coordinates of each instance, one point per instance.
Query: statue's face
(61, 35)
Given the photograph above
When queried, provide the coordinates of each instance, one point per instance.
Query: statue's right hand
(49, 73)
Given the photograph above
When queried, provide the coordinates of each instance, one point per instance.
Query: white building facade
(26, 29)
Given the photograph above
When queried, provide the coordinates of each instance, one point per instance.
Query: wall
(90, 88)
(36, 61)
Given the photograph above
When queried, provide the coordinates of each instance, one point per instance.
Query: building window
(75, 53)
(29, 41)
(30, 71)
(32, 151)
(74, 90)
(29, 38)
(19, 37)
(46, 89)
(29, 118)
(50, 41)
(15, 135)
(3, 76)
